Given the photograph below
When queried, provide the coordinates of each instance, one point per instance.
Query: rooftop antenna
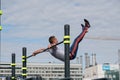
(77, 60)
(81, 60)
(86, 60)
(94, 60)
(119, 61)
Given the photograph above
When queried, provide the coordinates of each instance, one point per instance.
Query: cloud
(31, 22)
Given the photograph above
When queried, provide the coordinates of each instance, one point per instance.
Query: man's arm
(38, 51)
(44, 49)
(41, 50)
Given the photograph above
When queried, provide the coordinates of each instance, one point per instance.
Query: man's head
(53, 40)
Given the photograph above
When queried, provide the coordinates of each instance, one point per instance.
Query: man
(59, 54)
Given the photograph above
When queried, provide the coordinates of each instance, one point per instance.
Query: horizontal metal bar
(9, 67)
(5, 64)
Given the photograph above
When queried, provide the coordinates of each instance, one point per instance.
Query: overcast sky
(29, 23)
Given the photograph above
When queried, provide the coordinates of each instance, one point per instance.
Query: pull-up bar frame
(66, 48)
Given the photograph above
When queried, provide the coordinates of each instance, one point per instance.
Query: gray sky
(29, 23)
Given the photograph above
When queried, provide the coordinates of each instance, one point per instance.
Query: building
(105, 70)
(47, 71)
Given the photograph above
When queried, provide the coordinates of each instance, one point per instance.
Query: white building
(99, 71)
(47, 71)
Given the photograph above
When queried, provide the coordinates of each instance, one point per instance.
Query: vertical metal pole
(24, 65)
(13, 66)
(67, 46)
(0, 29)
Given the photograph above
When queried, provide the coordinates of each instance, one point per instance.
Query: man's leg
(78, 39)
